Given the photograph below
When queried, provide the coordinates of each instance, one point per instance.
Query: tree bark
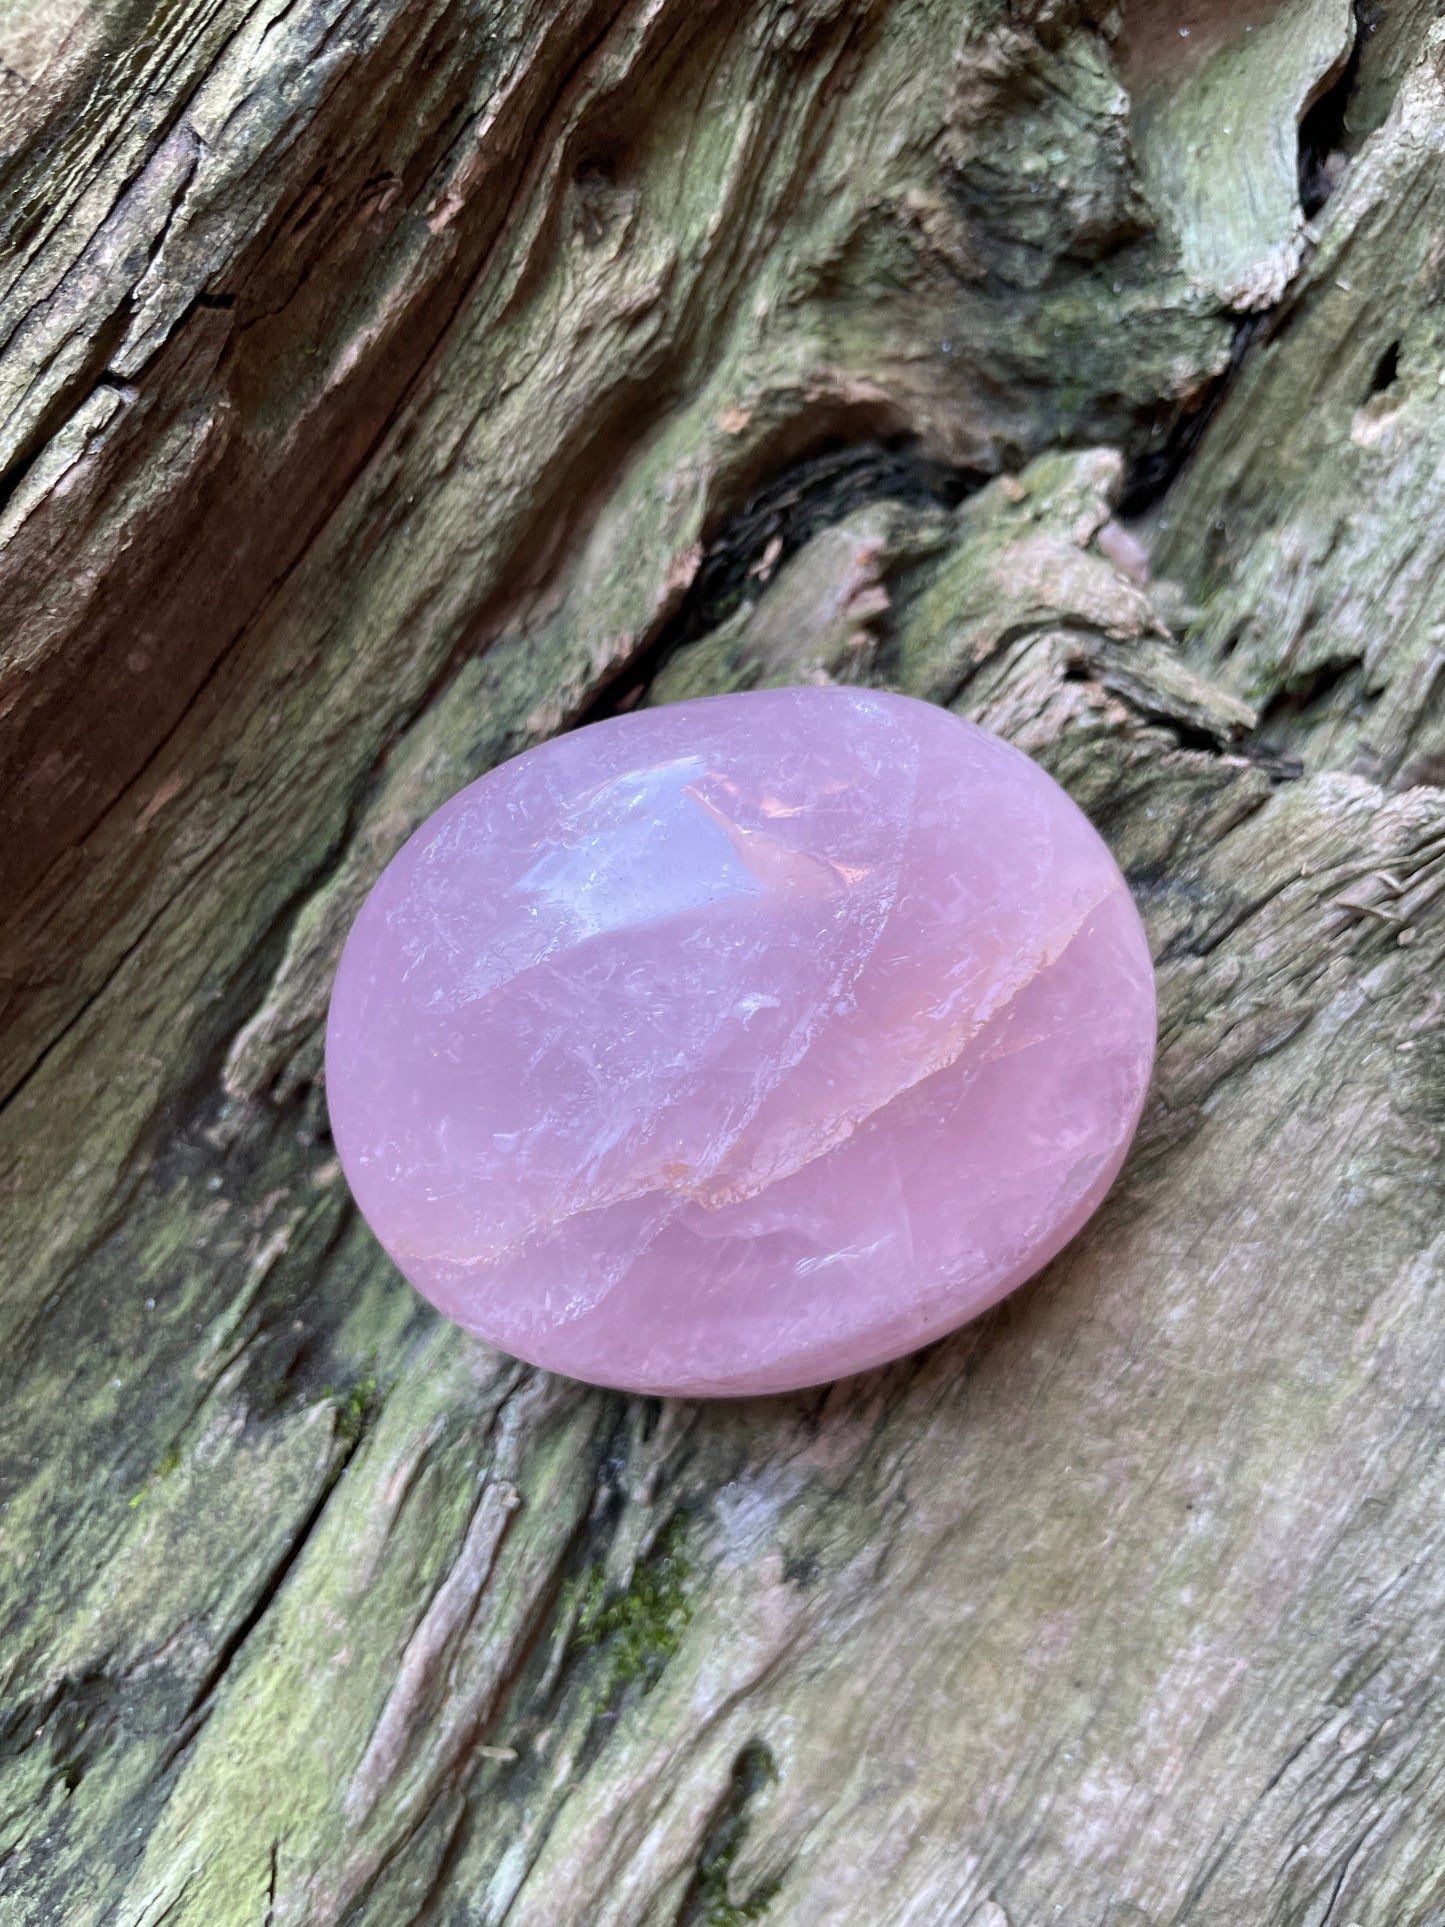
(386, 386)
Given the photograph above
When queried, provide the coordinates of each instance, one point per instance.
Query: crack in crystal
(674, 1196)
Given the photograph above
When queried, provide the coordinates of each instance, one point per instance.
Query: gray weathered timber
(385, 386)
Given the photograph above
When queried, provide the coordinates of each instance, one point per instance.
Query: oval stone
(737, 1045)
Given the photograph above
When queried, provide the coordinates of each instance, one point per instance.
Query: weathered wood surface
(383, 386)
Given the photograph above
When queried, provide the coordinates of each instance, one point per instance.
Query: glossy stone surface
(737, 1045)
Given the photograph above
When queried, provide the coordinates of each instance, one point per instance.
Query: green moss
(708, 1902)
(170, 1462)
(641, 1629)
(356, 1409)
(581, 1601)
(717, 1909)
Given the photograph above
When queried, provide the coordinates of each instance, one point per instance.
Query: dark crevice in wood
(777, 519)
(68, 399)
(1323, 154)
(1324, 144)
(1276, 763)
(205, 1692)
(709, 1898)
(1203, 943)
(1387, 370)
(1313, 691)
(63, 1713)
(271, 1884)
(1177, 431)
(1188, 736)
(452, 1812)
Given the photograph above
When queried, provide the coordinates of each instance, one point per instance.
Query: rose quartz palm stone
(737, 1045)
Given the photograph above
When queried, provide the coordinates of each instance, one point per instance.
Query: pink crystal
(733, 1046)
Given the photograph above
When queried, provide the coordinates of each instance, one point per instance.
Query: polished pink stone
(736, 1045)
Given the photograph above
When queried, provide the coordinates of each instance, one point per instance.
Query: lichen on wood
(384, 388)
